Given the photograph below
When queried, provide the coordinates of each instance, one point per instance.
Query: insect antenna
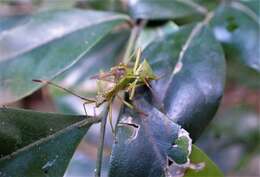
(64, 89)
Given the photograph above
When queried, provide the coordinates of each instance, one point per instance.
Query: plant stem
(101, 144)
(132, 40)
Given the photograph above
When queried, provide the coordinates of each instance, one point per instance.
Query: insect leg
(133, 86)
(85, 109)
(84, 106)
(125, 102)
(137, 59)
(64, 89)
(110, 117)
(131, 106)
(157, 99)
(147, 83)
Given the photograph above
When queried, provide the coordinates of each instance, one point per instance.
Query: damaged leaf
(149, 146)
(181, 149)
(142, 142)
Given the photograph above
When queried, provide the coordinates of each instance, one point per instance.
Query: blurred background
(232, 140)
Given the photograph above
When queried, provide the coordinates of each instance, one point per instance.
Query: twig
(101, 144)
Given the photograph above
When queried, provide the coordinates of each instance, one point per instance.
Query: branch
(101, 144)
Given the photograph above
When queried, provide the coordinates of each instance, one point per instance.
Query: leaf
(142, 142)
(210, 168)
(110, 5)
(148, 35)
(237, 27)
(12, 21)
(253, 5)
(58, 39)
(144, 145)
(38, 144)
(191, 67)
(167, 9)
(101, 57)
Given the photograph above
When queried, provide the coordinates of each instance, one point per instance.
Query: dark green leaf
(210, 169)
(56, 41)
(38, 144)
(191, 88)
(166, 9)
(142, 142)
(237, 27)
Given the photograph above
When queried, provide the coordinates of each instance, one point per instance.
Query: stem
(101, 145)
(132, 40)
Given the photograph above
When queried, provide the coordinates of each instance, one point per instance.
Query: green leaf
(109, 5)
(102, 57)
(237, 27)
(148, 35)
(166, 9)
(47, 45)
(210, 169)
(38, 144)
(12, 21)
(178, 155)
(142, 142)
(192, 69)
(253, 5)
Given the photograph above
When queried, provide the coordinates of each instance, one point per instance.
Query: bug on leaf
(123, 78)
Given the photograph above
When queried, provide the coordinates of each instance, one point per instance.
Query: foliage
(184, 41)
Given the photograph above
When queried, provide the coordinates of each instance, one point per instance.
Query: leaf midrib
(52, 136)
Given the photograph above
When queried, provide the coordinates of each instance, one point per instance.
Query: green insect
(123, 77)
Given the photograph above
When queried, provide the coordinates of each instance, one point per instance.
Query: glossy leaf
(38, 144)
(148, 35)
(237, 26)
(144, 145)
(142, 142)
(101, 57)
(57, 40)
(167, 9)
(192, 69)
(210, 169)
